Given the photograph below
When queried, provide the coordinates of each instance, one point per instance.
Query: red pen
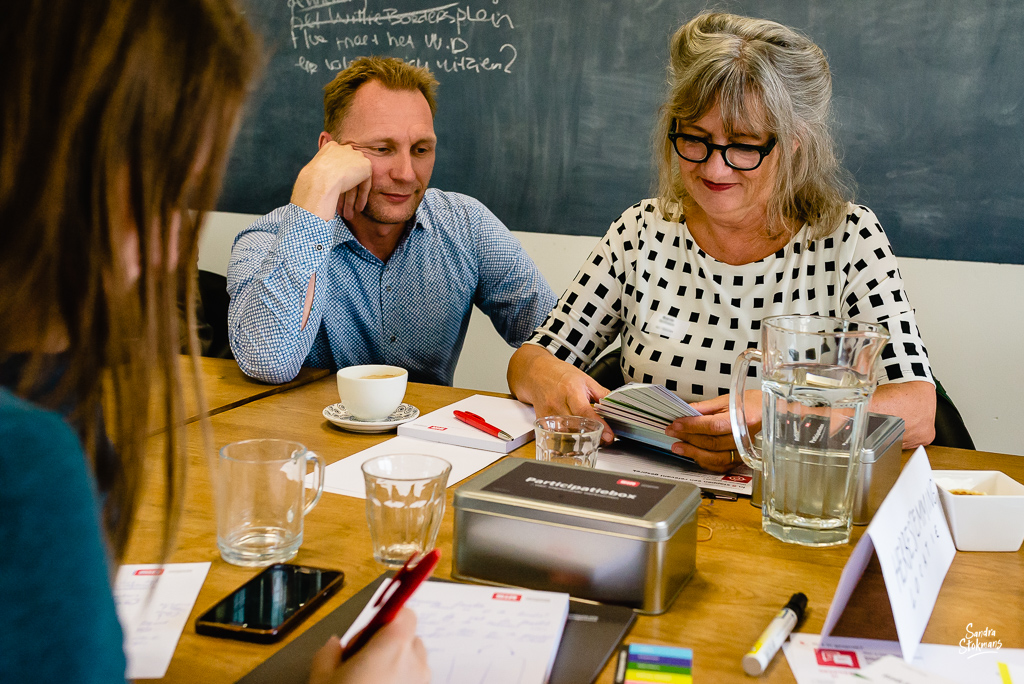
(481, 424)
(387, 601)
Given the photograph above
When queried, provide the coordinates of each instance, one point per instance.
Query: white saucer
(337, 414)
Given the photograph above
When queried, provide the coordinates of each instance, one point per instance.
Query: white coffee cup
(372, 392)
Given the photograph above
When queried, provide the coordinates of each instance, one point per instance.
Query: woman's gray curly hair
(768, 78)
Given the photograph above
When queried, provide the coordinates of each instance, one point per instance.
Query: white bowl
(990, 522)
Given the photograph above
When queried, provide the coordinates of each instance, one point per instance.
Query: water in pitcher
(812, 433)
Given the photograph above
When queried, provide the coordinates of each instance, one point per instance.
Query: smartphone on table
(271, 604)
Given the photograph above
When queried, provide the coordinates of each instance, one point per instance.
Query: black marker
(620, 666)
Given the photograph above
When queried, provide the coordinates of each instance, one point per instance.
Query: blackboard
(546, 106)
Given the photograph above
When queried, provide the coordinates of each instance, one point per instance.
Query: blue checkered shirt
(410, 311)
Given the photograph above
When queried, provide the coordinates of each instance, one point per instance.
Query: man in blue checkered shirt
(368, 265)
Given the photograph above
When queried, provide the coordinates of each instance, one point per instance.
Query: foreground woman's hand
(708, 438)
(395, 655)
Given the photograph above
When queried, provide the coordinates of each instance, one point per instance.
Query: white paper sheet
(489, 634)
(625, 457)
(346, 477)
(813, 664)
(152, 622)
(894, 670)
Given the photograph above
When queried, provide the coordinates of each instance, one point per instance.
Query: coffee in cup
(372, 392)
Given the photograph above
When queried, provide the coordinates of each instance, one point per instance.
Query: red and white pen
(481, 424)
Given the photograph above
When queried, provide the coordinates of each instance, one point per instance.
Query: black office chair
(212, 309)
(950, 430)
(606, 370)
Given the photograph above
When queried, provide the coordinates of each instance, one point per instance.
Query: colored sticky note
(658, 664)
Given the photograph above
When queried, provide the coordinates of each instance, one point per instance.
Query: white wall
(970, 314)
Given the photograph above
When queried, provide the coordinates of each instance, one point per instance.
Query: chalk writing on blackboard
(329, 34)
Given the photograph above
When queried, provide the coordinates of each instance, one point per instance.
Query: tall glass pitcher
(817, 377)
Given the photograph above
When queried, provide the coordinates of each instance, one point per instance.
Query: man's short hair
(390, 72)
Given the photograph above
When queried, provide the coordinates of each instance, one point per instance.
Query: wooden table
(743, 575)
(226, 386)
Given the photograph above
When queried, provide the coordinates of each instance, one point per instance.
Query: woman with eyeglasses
(753, 218)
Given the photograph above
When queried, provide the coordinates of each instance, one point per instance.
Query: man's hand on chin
(337, 179)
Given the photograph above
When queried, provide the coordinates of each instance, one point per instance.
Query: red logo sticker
(149, 572)
(833, 658)
(738, 478)
(501, 596)
(628, 483)
(436, 427)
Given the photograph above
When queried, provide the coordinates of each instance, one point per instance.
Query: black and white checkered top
(684, 316)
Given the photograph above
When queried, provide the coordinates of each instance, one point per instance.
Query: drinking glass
(817, 377)
(404, 504)
(569, 440)
(261, 500)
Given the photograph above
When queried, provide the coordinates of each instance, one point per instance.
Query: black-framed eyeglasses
(739, 156)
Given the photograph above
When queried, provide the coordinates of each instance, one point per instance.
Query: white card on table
(911, 538)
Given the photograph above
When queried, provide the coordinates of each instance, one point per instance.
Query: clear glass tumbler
(569, 440)
(405, 496)
(262, 500)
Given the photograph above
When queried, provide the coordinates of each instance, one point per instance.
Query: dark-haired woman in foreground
(116, 121)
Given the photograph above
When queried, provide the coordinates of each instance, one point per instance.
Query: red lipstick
(716, 187)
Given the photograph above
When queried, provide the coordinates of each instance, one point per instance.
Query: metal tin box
(879, 466)
(594, 534)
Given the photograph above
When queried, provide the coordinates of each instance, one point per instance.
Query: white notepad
(489, 634)
(514, 417)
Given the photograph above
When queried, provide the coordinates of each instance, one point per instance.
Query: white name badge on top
(669, 327)
(910, 536)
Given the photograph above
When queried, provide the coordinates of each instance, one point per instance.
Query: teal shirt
(57, 616)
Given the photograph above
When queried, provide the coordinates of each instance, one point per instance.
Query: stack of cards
(642, 412)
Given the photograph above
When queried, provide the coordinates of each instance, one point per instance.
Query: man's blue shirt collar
(343, 234)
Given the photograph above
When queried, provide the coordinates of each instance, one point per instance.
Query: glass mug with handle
(262, 500)
(817, 377)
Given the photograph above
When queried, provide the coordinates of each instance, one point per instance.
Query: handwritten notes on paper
(914, 545)
(329, 34)
(489, 634)
(153, 604)
(914, 548)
